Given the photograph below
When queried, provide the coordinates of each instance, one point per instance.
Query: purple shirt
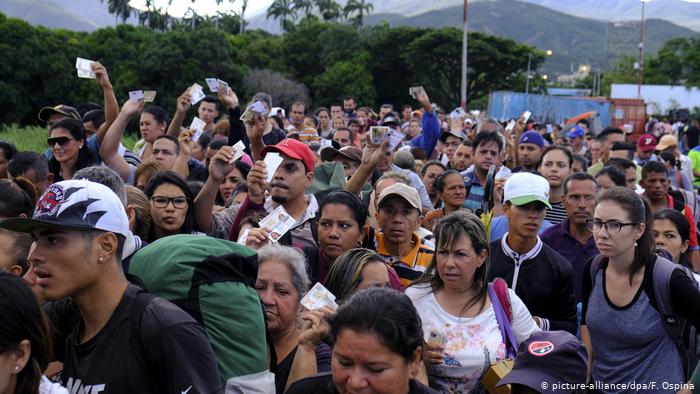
(558, 238)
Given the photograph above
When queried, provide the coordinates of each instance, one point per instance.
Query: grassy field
(33, 138)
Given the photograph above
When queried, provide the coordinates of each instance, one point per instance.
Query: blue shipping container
(545, 109)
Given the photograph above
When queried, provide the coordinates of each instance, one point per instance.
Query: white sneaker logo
(185, 392)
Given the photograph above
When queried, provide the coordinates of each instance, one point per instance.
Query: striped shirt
(556, 214)
(475, 198)
(410, 266)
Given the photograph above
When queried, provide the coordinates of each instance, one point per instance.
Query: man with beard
(529, 151)
(572, 238)
(463, 157)
(287, 189)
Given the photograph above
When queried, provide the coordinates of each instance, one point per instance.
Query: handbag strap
(503, 324)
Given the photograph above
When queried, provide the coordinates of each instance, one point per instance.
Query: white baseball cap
(75, 204)
(524, 187)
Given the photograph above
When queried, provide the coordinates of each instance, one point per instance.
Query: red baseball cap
(295, 149)
(646, 142)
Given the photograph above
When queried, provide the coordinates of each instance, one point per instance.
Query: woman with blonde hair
(355, 270)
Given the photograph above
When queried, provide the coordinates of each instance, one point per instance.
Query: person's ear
(415, 363)
(483, 255)
(49, 178)
(309, 179)
(23, 216)
(131, 215)
(107, 243)
(15, 270)
(20, 356)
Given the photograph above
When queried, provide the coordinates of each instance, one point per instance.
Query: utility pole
(640, 59)
(527, 76)
(464, 58)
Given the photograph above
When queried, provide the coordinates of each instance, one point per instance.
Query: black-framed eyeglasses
(162, 201)
(611, 226)
(62, 141)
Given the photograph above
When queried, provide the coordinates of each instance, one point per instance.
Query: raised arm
(219, 167)
(184, 103)
(255, 130)
(111, 107)
(430, 127)
(371, 157)
(181, 166)
(109, 149)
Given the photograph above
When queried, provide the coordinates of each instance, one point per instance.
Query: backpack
(213, 280)
(684, 335)
(686, 198)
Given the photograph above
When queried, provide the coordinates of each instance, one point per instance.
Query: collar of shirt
(519, 258)
(409, 259)
(311, 208)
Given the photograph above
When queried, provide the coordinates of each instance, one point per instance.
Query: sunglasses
(62, 141)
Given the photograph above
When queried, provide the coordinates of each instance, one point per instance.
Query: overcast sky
(206, 7)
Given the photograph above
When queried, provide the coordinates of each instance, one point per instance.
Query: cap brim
(287, 152)
(386, 197)
(444, 135)
(529, 378)
(329, 153)
(522, 200)
(24, 225)
(46, 112)
(648, 148)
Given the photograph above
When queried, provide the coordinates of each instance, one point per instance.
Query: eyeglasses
(162, 201)
(62, 141)
(611, 226)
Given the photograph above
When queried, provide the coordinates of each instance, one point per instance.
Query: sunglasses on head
(62, 141)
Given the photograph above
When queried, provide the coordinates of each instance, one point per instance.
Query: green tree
(392, 76)
(435, 61)
(360, 9)
(329, 10)
(350, 77)
(303, 6)
(284, 11)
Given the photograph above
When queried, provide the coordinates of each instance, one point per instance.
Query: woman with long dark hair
(25, 340)
(172, 205)
(621, 323)
(70, 152)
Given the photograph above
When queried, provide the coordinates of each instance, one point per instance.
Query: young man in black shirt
(110, 335)
(540, 276)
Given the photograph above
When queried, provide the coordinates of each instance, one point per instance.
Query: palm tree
(284, 11)
(120, 8)
(303, 5)
(329, 10)
(360, 7)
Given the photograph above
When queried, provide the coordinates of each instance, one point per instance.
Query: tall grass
(33, 138)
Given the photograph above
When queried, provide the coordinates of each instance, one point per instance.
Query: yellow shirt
(410, 266)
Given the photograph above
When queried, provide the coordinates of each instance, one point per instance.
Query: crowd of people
(570, 251)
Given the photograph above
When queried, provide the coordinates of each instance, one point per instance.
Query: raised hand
(220, 165)
(184, 102)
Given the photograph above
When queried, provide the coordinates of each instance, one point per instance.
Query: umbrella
(585, 115)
